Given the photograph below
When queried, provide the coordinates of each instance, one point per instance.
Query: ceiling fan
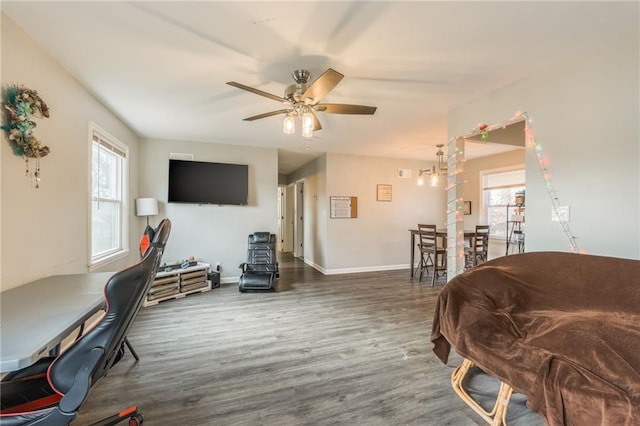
(303, 100)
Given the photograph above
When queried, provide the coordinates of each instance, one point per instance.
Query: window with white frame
(499, 190)
(109, 182)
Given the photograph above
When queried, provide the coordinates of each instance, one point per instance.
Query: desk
(442, 233)
(36, 316)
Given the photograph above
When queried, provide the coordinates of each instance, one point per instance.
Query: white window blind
(109, 181)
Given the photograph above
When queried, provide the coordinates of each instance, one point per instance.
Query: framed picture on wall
(467, 208)
(383, 192)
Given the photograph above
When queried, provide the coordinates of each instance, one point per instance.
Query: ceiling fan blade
(258, 92)
(267, 114)
(321, 86)
(345, 109)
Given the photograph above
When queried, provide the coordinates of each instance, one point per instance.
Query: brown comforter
(561, 328)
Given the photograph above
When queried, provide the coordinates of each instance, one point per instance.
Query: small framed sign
(383, 193)
(467, 208)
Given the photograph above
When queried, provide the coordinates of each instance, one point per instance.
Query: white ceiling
(162, 66)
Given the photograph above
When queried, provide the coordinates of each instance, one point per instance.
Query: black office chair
(51, 391)
(158, 238)
(260, 271)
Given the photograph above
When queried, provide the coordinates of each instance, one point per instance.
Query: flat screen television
(200, 182)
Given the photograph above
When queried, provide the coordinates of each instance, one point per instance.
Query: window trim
(110, 256)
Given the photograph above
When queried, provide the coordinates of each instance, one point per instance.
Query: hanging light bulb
(289, 125)
(420, 179)
(307, 124)
(307, 120)
(307, 132)
(435, 177)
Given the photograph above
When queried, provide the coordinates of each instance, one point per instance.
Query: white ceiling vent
(404, 173)
(180, 156)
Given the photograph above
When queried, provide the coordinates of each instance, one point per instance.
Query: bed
(561, 328)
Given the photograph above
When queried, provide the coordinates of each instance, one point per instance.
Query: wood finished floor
(347, 349)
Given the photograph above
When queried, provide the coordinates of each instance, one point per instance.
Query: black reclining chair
(51, 391)
(260, 271)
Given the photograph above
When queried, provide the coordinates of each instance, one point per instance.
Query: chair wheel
(136, 420)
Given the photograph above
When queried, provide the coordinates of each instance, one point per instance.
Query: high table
(37, 316)
(441, 233)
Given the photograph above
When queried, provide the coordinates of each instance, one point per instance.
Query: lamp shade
(146, 207)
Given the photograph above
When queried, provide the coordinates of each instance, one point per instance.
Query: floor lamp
(146, 207)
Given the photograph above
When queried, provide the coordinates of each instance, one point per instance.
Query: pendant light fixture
(436, 171)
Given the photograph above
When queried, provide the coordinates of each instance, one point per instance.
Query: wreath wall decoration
(20, 105)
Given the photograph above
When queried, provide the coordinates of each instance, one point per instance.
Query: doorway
(282, 203)
(298, 238)
(506, 136)
(289, 218)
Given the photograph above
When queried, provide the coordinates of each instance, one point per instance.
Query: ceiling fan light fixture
(307, 121)
(307, 132)
(289, 125)
(302, 100)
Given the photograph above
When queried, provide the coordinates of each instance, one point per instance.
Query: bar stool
(478, 252)
(431, 254)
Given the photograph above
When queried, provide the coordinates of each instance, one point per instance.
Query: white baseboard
(377, 268)
(314, 266)
(356, 270)
(229, 280)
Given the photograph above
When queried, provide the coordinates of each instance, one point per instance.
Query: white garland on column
(455, 203)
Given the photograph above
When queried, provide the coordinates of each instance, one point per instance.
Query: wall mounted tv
(208, 183)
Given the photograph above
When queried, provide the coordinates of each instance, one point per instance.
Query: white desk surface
(36, 316)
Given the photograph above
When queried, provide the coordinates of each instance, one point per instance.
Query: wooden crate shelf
(177, 283)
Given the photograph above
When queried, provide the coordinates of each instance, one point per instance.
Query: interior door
(282, 203)
(298, 250)
(289, 217)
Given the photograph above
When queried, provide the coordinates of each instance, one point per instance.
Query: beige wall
(212, 233)
(584, 113)
(378, 239)
(45, 230)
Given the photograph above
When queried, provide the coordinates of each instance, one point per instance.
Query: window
(498, 190)
(109, 225)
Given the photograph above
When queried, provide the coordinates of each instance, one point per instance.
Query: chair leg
(424, 264)
(133, 352)
(498, 415)
(435, 269)
(439, 265)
